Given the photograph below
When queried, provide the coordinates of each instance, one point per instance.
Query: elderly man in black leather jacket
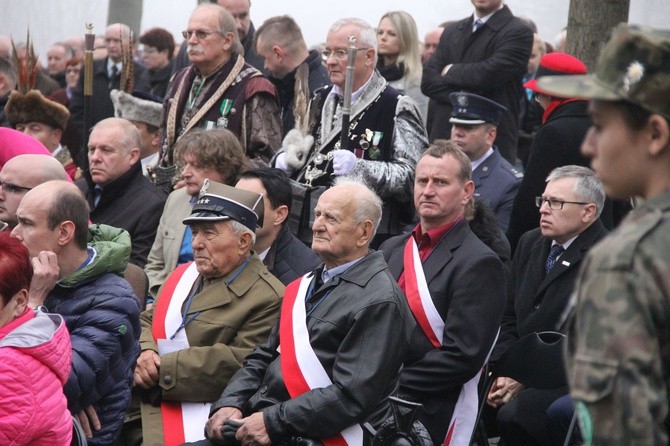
(357, 323)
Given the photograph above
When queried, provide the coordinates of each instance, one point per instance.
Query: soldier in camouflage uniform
(619, 338)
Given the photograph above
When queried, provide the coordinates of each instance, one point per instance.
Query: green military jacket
(619, 338)
(232, 320)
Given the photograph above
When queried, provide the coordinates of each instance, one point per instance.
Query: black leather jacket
(359, 331)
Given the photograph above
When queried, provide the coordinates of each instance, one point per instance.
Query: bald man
(430, 43)
(78, 275)
(19, 175)
(106, 77)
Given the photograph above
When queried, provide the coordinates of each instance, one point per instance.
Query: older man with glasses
(384, 140)
(219, 90)
(543, 276)
(19, 175)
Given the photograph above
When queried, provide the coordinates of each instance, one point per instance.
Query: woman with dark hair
(157, 58)
(35, 359)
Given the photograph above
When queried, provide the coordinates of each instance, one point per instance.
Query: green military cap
(218, 202)
(634, 66)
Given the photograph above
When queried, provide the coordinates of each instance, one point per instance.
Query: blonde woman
(400, 56)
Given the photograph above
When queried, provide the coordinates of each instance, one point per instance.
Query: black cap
(473, 109)
(218, 202)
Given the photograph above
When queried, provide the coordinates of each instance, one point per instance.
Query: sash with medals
(182, 422)
(300, 367)
(463, 419)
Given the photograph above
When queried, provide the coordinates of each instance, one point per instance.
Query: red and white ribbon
(182, 422)
(301, 368)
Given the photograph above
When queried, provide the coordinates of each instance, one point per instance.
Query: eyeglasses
(13, 188)
(200, 34)
(338, 54)
(555, 205)
(72, 70)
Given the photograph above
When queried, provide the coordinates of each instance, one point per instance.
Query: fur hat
(34, 107)
(137, 107)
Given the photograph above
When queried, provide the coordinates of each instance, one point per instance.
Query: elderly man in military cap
(208, 316)
(474, 127)
(619, 337)
(144, 111)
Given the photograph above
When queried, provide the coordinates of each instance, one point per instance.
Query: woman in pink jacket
(35, 359)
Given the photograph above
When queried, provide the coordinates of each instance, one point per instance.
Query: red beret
(556, 64)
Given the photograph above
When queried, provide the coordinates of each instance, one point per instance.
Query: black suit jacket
(537, 302)
(490, 62)
(130, 202)
(557, 143)
(467, 285)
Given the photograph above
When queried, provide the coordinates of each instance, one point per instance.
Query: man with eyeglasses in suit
(219, 90)
(543, 275)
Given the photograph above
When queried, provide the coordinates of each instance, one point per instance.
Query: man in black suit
(106, 77)
(543, 275)
(122, 196)
(486, 54)
(455, 287)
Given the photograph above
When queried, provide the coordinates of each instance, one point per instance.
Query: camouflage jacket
(619, 338)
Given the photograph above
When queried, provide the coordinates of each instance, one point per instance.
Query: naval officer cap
(219, 202)
(471, 109)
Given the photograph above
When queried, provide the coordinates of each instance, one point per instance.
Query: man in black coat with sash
(458, 307)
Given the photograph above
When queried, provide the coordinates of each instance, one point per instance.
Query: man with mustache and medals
(219, 90)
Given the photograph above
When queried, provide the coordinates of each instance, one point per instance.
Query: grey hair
(226, 25)
(368, 205)
(125, 31)
(239, 229)
(130, 136)
(367, 36)
(587, 187)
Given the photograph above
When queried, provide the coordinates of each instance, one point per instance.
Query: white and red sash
(462, 421)
(301, 368)
(182, 422)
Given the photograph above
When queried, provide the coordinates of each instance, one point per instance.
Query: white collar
(337, 91)
(264, 254)
(56, 150)
(565, 245)
(110, 62)
(486, 17)
(478, 161)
